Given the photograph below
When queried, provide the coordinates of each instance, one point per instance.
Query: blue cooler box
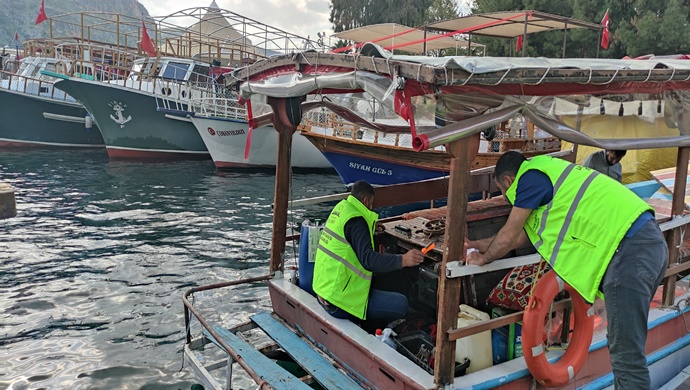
(309, 240)
(506, 341)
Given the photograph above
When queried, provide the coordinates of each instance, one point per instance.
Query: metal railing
(32, 86)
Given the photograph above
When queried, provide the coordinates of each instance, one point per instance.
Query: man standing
(606, 162)
(598, 236)
(346, 260)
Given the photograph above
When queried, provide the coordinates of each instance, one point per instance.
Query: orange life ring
(564, 370)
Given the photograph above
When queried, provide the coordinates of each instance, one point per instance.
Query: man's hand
(476, 258)
(412, 258)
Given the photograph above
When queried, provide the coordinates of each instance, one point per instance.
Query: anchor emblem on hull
(119, 118)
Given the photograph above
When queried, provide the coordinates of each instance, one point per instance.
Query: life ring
(564, 370)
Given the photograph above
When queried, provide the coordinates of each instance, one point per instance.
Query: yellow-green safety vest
(339, 277)
(579, 231)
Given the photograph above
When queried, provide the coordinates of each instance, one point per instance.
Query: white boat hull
(226, 141)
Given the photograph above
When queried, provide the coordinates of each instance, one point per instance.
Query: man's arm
(511, 236)
(357, 234)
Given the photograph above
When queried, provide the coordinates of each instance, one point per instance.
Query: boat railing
(9, 66)
(218, 106)
(342, 129)
(190, 310)
(32, 86)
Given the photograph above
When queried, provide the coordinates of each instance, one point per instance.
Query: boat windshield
(175, 71)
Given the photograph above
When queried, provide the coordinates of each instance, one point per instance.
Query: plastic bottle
(292, 275)
(386, 336)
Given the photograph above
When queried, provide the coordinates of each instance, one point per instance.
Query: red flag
(605, 31)
(41, 13)
(146, 43)
(518, 44)
(16, 36)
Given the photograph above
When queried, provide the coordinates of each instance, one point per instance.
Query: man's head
(364, 192)
(507, 168)
(613, 157)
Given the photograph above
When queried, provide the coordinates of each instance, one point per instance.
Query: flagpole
(599, 41)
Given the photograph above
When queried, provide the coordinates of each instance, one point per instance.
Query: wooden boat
(359, 153)
(556, 95)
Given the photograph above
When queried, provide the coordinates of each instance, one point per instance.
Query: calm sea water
(93, 268)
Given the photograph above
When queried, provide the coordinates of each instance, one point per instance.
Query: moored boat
(145, 115)
(38, 115)
(129, 112)
(222, 124)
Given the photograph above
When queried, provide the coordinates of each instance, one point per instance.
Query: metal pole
(599, 41)
(524, 37)
(565, 33)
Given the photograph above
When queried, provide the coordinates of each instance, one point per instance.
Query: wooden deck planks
(266, 368)
(320, 368)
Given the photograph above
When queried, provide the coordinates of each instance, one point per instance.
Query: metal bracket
(456, 269)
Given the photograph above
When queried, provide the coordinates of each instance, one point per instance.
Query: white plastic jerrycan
(476, 347)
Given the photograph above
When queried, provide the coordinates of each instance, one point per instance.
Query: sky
(301, 17)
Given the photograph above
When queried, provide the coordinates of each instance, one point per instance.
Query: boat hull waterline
(131, 124)
(44, 122)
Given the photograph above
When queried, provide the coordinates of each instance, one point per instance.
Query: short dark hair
(509, 164)
(619, 153)
(362, 189)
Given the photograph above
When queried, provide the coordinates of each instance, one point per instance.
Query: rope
(686, 301)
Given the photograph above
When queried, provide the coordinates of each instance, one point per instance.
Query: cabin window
(200, 74)
(175, 71)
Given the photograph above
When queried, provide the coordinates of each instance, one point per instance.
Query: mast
(287, 114)
(454, 238)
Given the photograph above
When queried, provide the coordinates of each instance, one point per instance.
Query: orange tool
(428, 248)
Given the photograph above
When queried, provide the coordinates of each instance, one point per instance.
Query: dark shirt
(357, 234)
(535, 189)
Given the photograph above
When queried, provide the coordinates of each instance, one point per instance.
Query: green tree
(442, 10)
(654, 28)
(348, 14)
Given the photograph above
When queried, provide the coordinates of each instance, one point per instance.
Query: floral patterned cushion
(514, 290)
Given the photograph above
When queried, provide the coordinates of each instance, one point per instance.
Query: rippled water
(93, 268)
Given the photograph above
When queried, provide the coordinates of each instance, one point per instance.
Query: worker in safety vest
(607, 162)
(346, 260)
(597, 235)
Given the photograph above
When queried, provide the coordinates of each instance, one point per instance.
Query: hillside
(20, 16)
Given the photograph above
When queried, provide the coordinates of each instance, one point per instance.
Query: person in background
(606, 162)
(346, 261)
(597, 235)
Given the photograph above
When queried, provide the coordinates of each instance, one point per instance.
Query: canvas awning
(510, 24)
(397, 35)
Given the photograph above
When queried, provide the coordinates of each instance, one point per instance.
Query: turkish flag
(16, 36)
(605, 31)
(518, 44)
(41, 13)
(146, 43)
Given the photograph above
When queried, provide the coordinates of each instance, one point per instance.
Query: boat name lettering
(369, 168)
(223, 133)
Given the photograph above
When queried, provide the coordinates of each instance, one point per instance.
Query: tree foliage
(637, 27)
(349, 14)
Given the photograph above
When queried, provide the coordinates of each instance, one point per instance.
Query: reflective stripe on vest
(339, 277)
